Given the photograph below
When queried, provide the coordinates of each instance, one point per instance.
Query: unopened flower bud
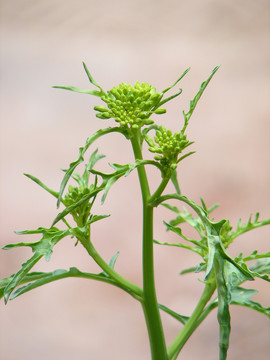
(160, 111)
(100, 108)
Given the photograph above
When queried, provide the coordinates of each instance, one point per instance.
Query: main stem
(150, 305)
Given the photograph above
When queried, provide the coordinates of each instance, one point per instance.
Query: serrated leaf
(254, 255)
(241, 296)
(36, 275)
(185, 216)
(196, 98)
(108, 179)
(43, 247)
(255, 274)
(242, 228)
(261, 266)
(178, 231)
(16, 279)
(188, 247)
(216, 249)
(215, 246)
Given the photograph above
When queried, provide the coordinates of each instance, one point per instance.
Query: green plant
(132, 107)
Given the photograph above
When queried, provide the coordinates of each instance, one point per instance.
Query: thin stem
(150, 305)
(73, 272)
(160, 189)
(192, 323)
(109, 270)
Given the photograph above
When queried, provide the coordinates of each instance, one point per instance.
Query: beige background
(42, 44)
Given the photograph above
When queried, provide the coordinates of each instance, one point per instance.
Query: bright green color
(131, 108)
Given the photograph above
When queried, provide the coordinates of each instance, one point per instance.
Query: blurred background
(43, 43)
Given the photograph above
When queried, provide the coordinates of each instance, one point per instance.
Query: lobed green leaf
(194, 102)
(188, 247)
(43, 247)
(241, 296)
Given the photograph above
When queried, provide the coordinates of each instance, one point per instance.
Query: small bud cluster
(81, 212)
(168, 145)
(130, 106)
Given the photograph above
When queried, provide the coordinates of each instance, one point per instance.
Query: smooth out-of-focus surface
(42, 44)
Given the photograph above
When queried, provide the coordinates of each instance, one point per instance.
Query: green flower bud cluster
(130, 106)
(74, 195)
(168, 145)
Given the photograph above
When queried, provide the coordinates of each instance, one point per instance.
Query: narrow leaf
(111, 264)
(91, 79)
(16, 279)
(175, 182)
(37, 181)
(62, 274)
(113, 260)
(183, 319)
(75, 89)
(176, 82)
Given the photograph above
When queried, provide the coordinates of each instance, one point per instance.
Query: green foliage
(132, 107)
(41, 248)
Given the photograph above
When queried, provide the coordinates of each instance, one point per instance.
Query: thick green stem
(192, 323)
(150, 305)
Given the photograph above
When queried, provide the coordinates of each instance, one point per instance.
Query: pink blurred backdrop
(42, 44)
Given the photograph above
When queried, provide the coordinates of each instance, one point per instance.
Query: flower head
(74, 195)
(167, 145)
(131, 106)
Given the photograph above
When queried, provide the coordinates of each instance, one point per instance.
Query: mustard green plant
(131, 111)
